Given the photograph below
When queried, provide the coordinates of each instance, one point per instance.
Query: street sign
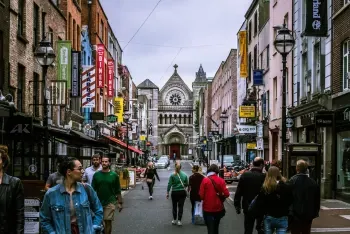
(244, 129)
(289, 122)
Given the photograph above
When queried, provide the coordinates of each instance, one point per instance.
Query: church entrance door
(175, 148)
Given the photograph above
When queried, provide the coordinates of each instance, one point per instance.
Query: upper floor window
(346, 64)
(250, 31)
(21, 7)
(36, 30)
(255, 24)
(20, 87)
(101, 30)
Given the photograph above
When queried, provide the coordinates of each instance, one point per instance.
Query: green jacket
(175, 184)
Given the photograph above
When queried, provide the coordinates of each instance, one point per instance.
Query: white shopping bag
(198, 213)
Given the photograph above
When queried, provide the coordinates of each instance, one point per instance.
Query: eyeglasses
(79, 169)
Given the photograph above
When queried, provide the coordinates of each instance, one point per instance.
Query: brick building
(4, 41)
(341, 95)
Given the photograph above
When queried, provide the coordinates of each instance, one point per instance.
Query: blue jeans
(279, 224)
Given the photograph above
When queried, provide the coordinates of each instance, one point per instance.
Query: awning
(135, 150)
(121, 143)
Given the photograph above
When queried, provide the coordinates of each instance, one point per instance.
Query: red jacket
(211, 201)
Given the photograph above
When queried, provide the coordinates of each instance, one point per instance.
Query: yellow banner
(251, 145)
(142, 137)
(118, 109)
(243, 54)
(247, 111)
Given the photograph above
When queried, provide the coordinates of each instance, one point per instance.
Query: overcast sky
(207, 27)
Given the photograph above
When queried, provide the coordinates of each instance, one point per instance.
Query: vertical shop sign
(118, 108)
(64, 61)
(316, 18)
(243, 54)
(110, 90)
(88, 87)
(76, 79)
(100, 64)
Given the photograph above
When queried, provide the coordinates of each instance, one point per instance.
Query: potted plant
(126, 174)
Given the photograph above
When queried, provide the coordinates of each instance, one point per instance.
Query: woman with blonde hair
(276, 196)
(178, 183)
(150, 176)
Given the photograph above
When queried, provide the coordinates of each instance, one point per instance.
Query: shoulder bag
(218, 193)
(182, 184)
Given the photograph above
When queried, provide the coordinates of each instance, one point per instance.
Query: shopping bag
(198, 213)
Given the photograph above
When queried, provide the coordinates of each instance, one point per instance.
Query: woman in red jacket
(213, 192)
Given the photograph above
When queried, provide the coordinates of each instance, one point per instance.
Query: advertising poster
(118, 109)
(64, 61)
(243, 54)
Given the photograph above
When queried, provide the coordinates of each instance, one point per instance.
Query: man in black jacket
(248, 187)
(306, 200)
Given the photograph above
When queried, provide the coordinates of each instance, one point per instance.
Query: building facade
(175, 117)
(4, 49)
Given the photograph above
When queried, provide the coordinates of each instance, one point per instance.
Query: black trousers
(150, 187)
(212, 220)
(192, 209)
(178, 199)
(249, 224)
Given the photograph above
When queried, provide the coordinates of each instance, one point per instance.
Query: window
(51, 36)
(56, 2)
(36, 29)
(317, 68)
(346, 2)
(74, 35)
(346, 64)
(36, 95)
(101, 30)
(69, 27)
(255, 24)
(250, 31)
(20, 87)
(274, 36)
(43, 31)
(249, 66)
(274, 98)
(21, 7)
(255, 57)
(78, 38)
(268, 56)
(262, 60)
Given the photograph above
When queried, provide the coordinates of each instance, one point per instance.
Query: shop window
(343, 162)
(346, 64)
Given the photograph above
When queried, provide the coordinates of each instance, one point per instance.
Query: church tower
(199, 83)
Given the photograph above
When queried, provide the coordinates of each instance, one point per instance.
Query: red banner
(110, 87)
(100, 65)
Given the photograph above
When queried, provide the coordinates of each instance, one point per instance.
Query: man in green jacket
(107, 186)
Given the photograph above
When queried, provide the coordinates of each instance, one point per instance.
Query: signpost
(31, 216)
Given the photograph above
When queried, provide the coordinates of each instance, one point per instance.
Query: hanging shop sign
(251, 145)
(97, 116)
(246, 129)
(260, 143)
(111, 118)
(118, 108)
(76, 79)
(88, 87)
(316, 18)
(324, 119)
(259, 129)
(110, 89)
(258, 77)
(243, 54)
(247, 111)
(100, 65)
(64, 61)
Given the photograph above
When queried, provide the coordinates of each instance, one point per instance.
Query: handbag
(255, 208)
(221, 197)
(183, 185)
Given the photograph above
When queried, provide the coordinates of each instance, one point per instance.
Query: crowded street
(141, 215)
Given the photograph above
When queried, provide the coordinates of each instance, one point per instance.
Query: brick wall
(5, 29)
(22, 48)
(341, 32)
(72, 11)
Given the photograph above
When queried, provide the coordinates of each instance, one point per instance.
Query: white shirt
(89, 173)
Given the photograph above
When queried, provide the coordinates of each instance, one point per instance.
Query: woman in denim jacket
(67, 207)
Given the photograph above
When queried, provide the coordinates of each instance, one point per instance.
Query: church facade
(175, 118)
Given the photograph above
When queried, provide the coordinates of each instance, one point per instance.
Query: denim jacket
(55, 210)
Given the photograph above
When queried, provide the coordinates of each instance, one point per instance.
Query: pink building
(280, 11)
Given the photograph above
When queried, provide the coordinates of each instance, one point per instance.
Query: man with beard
(90, 171)
(107, 186)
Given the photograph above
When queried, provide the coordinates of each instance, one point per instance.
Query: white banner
(246, 129)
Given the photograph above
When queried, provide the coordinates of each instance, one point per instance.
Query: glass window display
(343, 154)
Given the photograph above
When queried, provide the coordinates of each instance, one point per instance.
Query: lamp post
(284, 43)
(45, 56)
(223, 118)
(126, 120)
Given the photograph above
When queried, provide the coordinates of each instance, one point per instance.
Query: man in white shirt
(90, 171)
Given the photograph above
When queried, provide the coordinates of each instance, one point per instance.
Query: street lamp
(45, 56)
(284, 44)
(126, 120)
(223, 118)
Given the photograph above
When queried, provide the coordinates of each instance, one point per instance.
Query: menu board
(31, 216)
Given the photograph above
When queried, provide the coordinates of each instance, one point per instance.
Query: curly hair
(5, 158)
(67, 163)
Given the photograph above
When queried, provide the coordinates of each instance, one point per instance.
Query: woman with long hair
(11, 198)
(178, 183)
(194, 184)
(276, 196)
(150, 174)
(67, 206)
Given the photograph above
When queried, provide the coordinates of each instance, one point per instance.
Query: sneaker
(150, 197)
(179, 223)
(173, 222)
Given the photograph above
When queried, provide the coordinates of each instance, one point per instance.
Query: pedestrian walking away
(67, 206)
(150, 174)
(306, 200)
(90, 171)
(56, 177)
(248, 188)
(195, 181)
(213, 192)
(107, 186)
(11, 198)
(178, 183)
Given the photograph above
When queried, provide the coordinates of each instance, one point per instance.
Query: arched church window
(189, 119)
(170, 119)
(165, 119)
(175, 118)
(160, 119)
(185, 122)
(180, 119)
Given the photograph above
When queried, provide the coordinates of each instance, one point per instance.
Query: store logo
(346, 114)
(20, 128)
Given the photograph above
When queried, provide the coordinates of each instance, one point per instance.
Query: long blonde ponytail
(177, 168)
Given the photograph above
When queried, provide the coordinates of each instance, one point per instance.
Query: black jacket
(248, 187)
(306, 197)
(151, 173)
(11, 205)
